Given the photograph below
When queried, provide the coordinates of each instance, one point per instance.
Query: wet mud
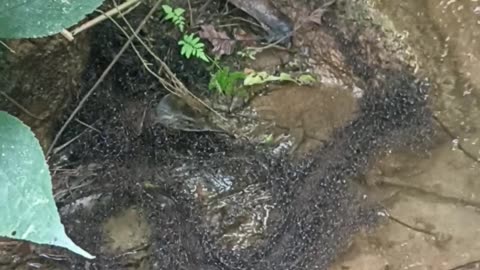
(207, 201)
(315, 210)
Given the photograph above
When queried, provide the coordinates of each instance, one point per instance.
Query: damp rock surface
(314, 113)
(170, 199)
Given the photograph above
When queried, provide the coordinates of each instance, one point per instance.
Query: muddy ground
(349, 151)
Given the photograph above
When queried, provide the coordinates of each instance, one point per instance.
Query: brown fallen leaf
(221, 42)
(317, 14)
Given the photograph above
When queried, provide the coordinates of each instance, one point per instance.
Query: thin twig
(385, 213)
(429, 193)
(163, 66)
(14, 102)
(132, 7)
(190, 13)
(103, 17)
(168, 85)
(202, 8)
(454, 137)
(178, 85)
(102, 77)
(133, 250)
(247, 20)
(67, 34)
(59, 194)
(465, 265)
(61, 147)
(87, 125)
(8, 47)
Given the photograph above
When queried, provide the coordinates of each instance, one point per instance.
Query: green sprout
(192, 46)
(224, 81)
(175, 16)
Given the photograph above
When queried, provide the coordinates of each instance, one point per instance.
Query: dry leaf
(222, 44)
(317, 14)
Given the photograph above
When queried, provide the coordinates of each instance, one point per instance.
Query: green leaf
(219, 88)
(263, 77)
(39, 18)
(224, 81)
(180, 23)
(188, 38)
(283, 77)
(167, 9)
(256, 78)
(27, 208)
(201, 55)
(188, 51)
(179, 11)
(235, 76)
(195, 40)
(184, 48)
(306, 79)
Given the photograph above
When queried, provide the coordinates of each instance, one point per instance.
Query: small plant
(224, 81)
(175, 16)
(192, 46)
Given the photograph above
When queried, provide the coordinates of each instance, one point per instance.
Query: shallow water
(436, 192)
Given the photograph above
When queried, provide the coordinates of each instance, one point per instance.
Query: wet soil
(148, 197)
(299, 105)
(436, 191)
(62, 65)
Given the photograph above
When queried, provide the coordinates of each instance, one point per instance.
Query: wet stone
(310, 113)
(125, 231)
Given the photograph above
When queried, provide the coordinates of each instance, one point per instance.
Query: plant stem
(100, 18)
